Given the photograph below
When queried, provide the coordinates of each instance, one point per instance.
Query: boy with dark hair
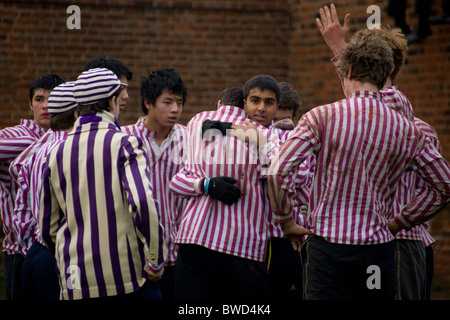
(163, 95)
(13, 141)
(223, 233)
(290, 104)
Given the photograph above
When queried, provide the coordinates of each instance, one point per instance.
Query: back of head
(289, 99)
(62, 106)
(231, 96)
(396, 41)
(159, 80)
(93, 88)
(263, 82)
(115, 65)
(46, 82)
(370, 59)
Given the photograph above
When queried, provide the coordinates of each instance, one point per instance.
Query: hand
(223, 189)
(246, 132)
(332, 32)
(393, 227)
(294, 232)
(284, 124)
(218, 125)
(152, 276)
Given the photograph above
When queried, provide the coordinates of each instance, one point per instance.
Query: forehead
(167, 94)
(283, 113)
(262, 93)
(39, 92)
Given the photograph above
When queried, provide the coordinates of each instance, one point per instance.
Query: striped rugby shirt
(165, 161)
(97, 210)
(29, 174)
(239, 229)
(393, 98)
(13, 140)
(409, 186)
(362, 148)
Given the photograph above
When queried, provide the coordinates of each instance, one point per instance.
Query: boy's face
(167, 110)
(38, 106)
(261, 106)
(123, 96)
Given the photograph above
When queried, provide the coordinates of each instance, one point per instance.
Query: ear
(31, 106)
(148, 105)
(112, 103)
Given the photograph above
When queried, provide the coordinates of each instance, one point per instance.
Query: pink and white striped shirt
(239, 229)
(28, 175)
(165, 161)
(361, 149)
(13, 140)
(410, 185)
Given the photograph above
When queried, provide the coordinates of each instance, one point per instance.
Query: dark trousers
(349, 272)
(284, 269)
(429, 258)
(149, 291)
(40, 279)
(13, 267)
(167, 283)
(204, 274)
(411, 270)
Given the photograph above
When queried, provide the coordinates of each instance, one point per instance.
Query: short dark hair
(115, 65)
(46, 82)
(231, 96)
(63, 121)
(159, 80)
(263, 82)
(289, 98)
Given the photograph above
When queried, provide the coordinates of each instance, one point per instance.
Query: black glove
(218, 125)
(222, 189)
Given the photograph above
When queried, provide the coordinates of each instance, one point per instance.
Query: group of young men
(238, 204)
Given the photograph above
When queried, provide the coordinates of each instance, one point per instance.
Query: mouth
(259, 118)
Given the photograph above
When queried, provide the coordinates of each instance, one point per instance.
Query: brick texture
(214, 44)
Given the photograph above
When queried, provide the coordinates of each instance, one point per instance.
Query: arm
(434, 170)
(143, 209)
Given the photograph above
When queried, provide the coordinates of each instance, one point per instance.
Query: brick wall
(213, 44)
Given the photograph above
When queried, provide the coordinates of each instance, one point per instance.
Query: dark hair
(231, 96)
(263, 82)
(115, 65)
(63, 121)
(88, 109)
(289, 98)
(46, 82)
(159, 80)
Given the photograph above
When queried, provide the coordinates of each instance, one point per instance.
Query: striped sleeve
(434, 170)
(143, 208)
(284, 167)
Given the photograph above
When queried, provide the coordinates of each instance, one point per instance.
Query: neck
(353, 86)
(161, 133)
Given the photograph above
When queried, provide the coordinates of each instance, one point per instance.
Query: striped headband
(95, 85)
(61, 98)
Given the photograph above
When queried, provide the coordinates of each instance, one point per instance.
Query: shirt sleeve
(285, 166)
(434, 170)
(143, 208)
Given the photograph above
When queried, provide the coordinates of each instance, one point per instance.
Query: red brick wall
(213, 44)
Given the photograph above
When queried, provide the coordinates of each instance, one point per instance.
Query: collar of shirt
(366, 94)
(30, 125)
(104, 116)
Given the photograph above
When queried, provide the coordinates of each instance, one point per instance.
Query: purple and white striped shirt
(239, 229)
(13, 141)
(361, 150)
(29, 174)
(97, 211)
(165, 161)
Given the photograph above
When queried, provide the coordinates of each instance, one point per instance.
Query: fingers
(346, 20)
(328, 15)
